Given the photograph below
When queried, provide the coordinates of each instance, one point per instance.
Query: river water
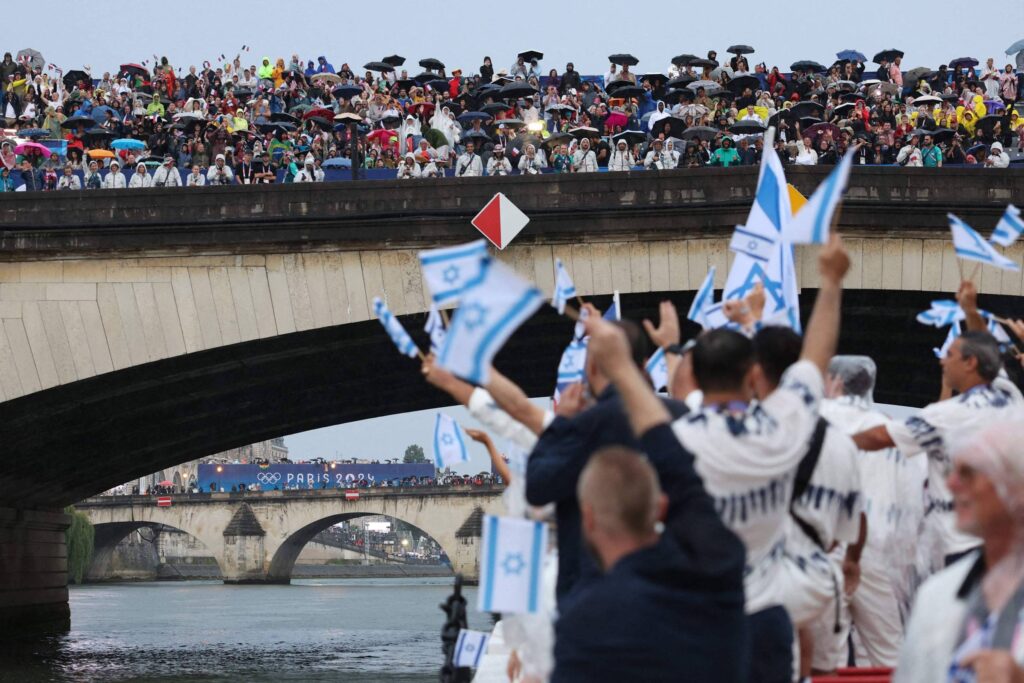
(372, 630)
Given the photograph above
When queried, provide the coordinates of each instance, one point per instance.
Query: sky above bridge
(189, 31)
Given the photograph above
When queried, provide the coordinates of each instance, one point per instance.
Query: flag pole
(444, 317)
(960, 268)
(974, 272)
(572, 314)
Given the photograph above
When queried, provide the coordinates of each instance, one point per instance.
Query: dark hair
(721, 359)
(983, 347)
(775, 349)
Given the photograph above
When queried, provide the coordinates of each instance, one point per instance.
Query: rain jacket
(141, 178)
(266, 70)
(114, 180)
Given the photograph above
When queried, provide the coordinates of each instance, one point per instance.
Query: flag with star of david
(511, 559)
(488, 314)
(449, 446)
(565, 289)
(571, 367)
(969, 245)
(450, 271)
(435, 328)
(1009, 227)
(657, 370)
(470, 647)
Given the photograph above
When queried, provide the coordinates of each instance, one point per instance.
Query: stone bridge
(256, 537)
(142, 329)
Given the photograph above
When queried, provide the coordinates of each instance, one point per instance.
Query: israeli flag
(1009, 227)
(614, 312)
(488, 314)
(511, 557)
(657, 370)
(756, 245)
(564, 287)
(969, 245)
(995, 329)
(449, 446)
(811, 225)
(435, 328)
(451, 270)
(942, 313)
(703, 301)
(571, 367)
(470, 647)
(406, 346)
(954, 332)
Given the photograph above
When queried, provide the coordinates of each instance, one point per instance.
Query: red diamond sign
(163, 502)
(500, 221)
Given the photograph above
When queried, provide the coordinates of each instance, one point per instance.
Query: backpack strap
(804, 472)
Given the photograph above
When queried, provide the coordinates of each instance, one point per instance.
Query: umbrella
(702, 63)
(514, 90)
(27, 147)
(671, 126)
(494, 107)
(890, 88)
(128, 143)
(383, 67)
(432, 64)
(135, 70)
(965, 62)
(627, 91)
(781, 115)
(426, 76)
(738, 84)
(530, 55)
(1015, 48)
(917, 73)
(347, 92)
(437, 84)
(695, 110)
(281, 116)
(165, 482)
(844, 107)
(510, 123)
(887, 55)
(584, 132)
(700, 133)
(706, 85)
(927, 99)
(852, 56)
(819, 129)
(322, 122)
(283, 126)
(808, 121)
(656, 79)
(99, 114)
(747, 127)
(717, 73)
(381, 135)
(326, 78)
(348, 117)
(808, 65)
(681, 81)
(394, 60)
(466, 118)
(100, 154)
(422, 108)
(632, 137)
(987, 123)
(942, 134)
(563, 109)
(807, 108)
(337, 162)
(404, 83)
(557, 139)
(624, 59)
(242, 93)
(842, 86)
(677, 95)
(740, 49)
(684, 59)
(474, 135)
(34, 133)
(189, 115)
(96, 134)
(320, 112)
(74, 77)
(35, 59)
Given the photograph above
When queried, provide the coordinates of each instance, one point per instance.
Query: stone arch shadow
(110, 534)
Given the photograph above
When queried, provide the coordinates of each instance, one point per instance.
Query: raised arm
(967, 297)
(823, 328)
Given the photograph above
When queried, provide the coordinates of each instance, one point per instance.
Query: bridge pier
(33, 572)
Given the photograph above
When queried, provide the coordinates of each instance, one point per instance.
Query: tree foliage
(414, 453)
(79, 537)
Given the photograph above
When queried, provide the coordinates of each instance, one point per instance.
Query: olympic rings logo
(268, 477)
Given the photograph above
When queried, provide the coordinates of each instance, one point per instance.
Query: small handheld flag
(657, 370)
(449, 446)
(511, 558)
(1009, 227)
(488, 314)
(614, 312)
(470, 647)
(435, 328)
(704, 300)
(969, 245)
(451, 270)
(406, 346)
(812, 224)
(571, 367)
(564, 287)
(759, 246)
(943, 312)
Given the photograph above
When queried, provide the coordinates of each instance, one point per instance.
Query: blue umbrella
(337, 162)
(33, 133)
(852, 55)
(128, 143)
(99, 114)
(1016, 47)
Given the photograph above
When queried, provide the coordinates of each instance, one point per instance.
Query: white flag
(1009, 227)
(657, 370)
(487, 316)
(703, 300)
(564, 287)
(757, 245)
(969, 245)
(406, 346)
(511, 558)
(449, 446)
(470, 648)
(942, 312)
(572, 365)
(451, 270)
(811, 225)
(435, 328)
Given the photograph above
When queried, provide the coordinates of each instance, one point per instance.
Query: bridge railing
(388, 492)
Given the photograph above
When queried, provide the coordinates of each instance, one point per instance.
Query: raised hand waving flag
(969, 245)
(511, 558)
(813, 222)
(435, 328)
(488, 314)
(564, 287)
(451, 270)
(942, 312)
(657, 369)
(449, 446)
(572, 365)
(1009, 227)
(406, 346)
(704, 300)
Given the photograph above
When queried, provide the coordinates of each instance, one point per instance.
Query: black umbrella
(557, 139)
(426, 76)
(740, 49)
(394, 60)
(97, 134)
(76, 121)
(676, 95)
(681, 81)
(942, 134)
(656, 80)
(562, 109)
(584, 132)
(404, 83)
(808, 121)
(322, 122)
(843, 108)
(887, 55)
(530, 55)
(515, 90)
(965, 62)
(437, 84)
(684, 59)
(282, 126)
(383, 67)
(624, 59)
(632, 137)
(808, 108)
(671, 126)
(510, 123)
(627, 91)
(243, 93)
(851, 97)
(475, 135)
(74, 77)
(808, 65)
(976, 148)
(347, 92)
(431, 63)
(280, 117)
(700, 133)
(703, 63)
(747, 127)
(495, 107)
(467, 118)
(740, 83)
(781, 115)
(987, 123)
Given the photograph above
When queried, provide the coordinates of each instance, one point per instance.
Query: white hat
(220, 157)
(997, 146)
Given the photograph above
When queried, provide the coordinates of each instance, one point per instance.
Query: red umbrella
(382, 136)
(29, 147)
(820, 129)
(321, 112)
(617, 118)
(166, 482)
(425, 107)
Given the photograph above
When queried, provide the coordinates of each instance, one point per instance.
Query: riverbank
(210, 572)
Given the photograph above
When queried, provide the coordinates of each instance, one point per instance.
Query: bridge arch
(110, 534)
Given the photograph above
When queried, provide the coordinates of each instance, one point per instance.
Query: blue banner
(280, 477)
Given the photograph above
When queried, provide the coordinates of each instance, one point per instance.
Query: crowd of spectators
(252, 121)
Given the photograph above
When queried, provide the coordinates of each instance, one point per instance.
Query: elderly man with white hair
(968, 619)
